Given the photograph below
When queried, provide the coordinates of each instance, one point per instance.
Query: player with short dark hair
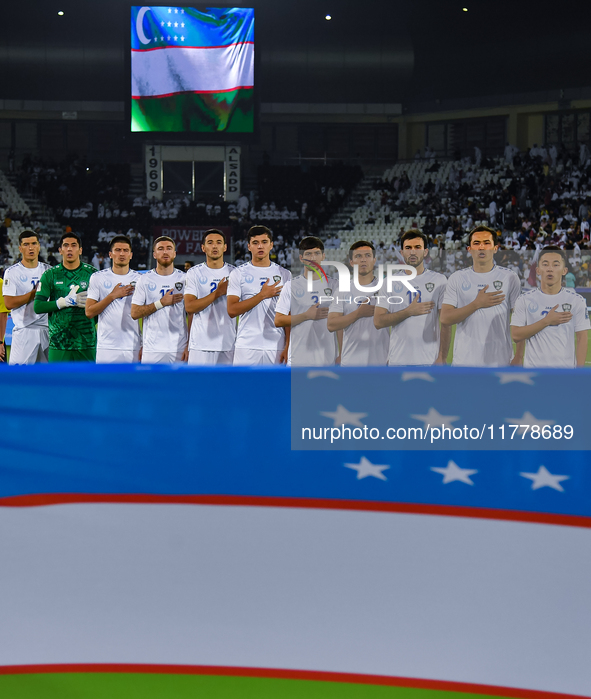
(71, 234)
(482, 317)
(361, 244)
(256, 231)
(363, 344)
(305, 312)
(164, 239)
(553, 321)
(414, 234)
(30, 337)
(483, 229)
(158, 299)
(253, 289)
(213, 332)
(310, 242)
(109, 298)
(62, 295)
(416, 338)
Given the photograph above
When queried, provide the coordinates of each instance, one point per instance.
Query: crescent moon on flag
(138, 26)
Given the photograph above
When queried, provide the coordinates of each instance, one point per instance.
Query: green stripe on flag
(230, 112)
(168, 686)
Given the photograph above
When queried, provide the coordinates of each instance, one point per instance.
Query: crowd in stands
(541, 197)
(15, 215)
(93, 200)
(533, 199)
(294, 203)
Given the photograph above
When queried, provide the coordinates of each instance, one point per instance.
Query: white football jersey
(19, 280)
(256, 328)
(310, 342)
(484, 338)
(363, 343)
(554, 346)
(116, 328)
(165, 330)
(416, 340)
(212, 329)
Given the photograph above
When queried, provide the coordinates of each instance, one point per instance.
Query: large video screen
(192, 70)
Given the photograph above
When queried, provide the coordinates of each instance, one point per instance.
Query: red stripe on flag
(193, 92)
(271, 673)
(183, 46)
(44, 499)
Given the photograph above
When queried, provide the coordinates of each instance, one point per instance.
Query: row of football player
(549, 325)
(282, 320)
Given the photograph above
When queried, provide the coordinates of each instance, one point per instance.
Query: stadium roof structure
(385, 51)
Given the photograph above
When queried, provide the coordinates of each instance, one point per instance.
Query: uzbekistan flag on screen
(192, 70)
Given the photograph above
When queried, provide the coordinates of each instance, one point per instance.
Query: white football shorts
(115, 356)
(29, 345)
(209, 358)
(255, 357)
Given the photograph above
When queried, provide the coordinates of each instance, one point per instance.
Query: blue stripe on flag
(185, 431)
(157, 27)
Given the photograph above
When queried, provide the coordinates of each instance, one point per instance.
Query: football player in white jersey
(305, 312)
(416, 338)
(159, 299)
(213, 332)
(253, 289)
(30, 338)
(363, 343)
(552, 319)
(109, 297)
(481, 316)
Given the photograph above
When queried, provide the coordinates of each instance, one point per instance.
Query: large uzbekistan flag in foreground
(159, 539)
(192, 70)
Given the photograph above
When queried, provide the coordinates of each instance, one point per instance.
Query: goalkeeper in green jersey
(62, 295)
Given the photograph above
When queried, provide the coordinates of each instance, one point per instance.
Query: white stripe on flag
(446, 598)
(170, 71)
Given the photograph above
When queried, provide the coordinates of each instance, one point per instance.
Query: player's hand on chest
(269, 286)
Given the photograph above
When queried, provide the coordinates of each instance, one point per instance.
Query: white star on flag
(516, 377)
(176, 24)
(182, 12)
(544, 478)
(182, 38)
(527, 419)
(168, 37)
(342, 416)
(175, 38)
(161, 38)
(162, 23)
(435, 419)
(410, 375)
(365, 468)
(176, 11)
(169, 10)
(452, 472)
(170, 24)
(322, 372)
(182, 24)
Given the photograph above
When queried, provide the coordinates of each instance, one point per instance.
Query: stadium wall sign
(187, 238)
